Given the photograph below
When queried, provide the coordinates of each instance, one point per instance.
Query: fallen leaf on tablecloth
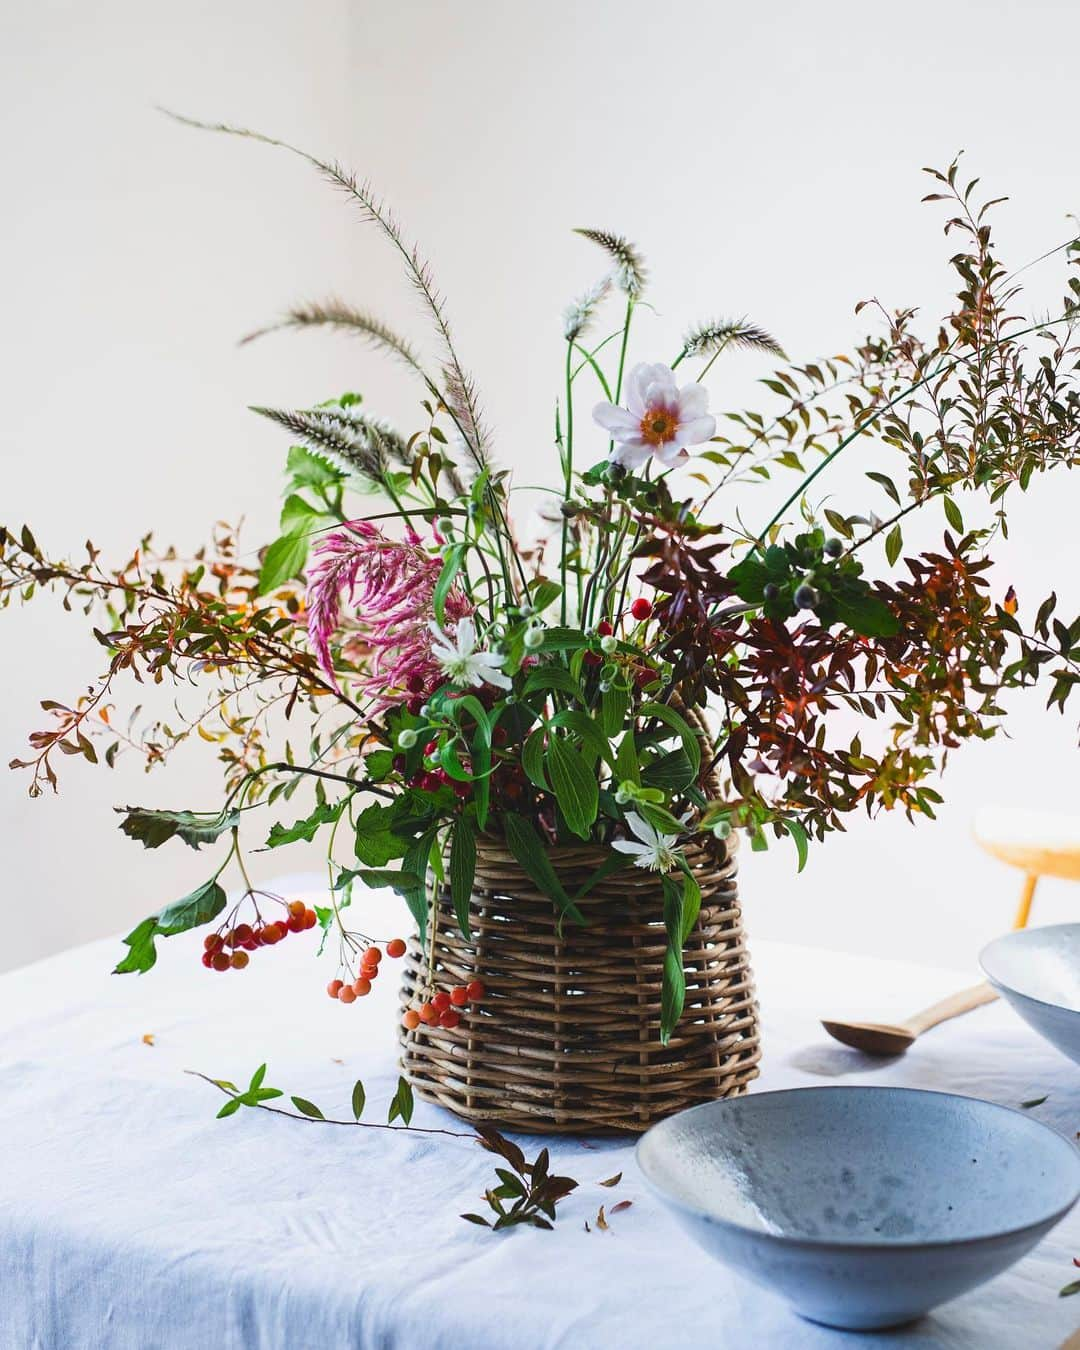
(1068, 1289)
(623, 1204)
(601, 1222)
(1035, 1101)
(148, 1038)
(336, 1061)
(587, 1228)
(611, 1181)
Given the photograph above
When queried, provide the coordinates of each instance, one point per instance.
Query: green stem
(568, 475)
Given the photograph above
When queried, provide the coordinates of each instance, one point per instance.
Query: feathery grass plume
(629, 273)
(714, 337)
(464, 406)
(579, 313)
(334, 313)
(352, 442)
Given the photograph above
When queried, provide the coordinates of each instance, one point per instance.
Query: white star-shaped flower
(459, 660)
(655, 852)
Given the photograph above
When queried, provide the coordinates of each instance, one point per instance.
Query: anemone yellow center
(658, 426)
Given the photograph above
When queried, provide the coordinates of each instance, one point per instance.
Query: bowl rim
(874, 1245)
(1017, 935)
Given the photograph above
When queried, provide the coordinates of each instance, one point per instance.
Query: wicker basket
(567, 1038)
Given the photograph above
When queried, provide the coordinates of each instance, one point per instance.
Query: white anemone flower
(459, 660)
(659, 418)
(653, 851)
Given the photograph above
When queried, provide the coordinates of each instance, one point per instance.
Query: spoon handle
(952, 1006)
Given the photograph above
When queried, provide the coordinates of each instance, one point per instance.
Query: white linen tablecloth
(130, 1217)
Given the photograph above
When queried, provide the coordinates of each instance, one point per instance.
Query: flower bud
(534, 637)
(608, 643)
(407, 739)
(721, 829)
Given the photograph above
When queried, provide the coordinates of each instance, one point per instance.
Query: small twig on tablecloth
(531, 1191)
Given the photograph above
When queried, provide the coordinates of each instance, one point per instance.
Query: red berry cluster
(348, 991)
(442, 1008)
(433, 779)
(228, 948)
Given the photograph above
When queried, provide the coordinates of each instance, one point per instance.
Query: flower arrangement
(399, 655)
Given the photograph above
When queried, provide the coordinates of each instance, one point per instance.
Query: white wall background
(765, 157)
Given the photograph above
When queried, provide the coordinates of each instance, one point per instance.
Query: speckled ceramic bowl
(1037, 971)
(864, 1207)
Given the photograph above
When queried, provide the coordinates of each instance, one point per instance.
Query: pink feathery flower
(388, 587)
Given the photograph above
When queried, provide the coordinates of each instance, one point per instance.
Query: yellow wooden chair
(1040, 843)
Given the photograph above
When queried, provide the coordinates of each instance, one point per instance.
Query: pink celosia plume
(388, 587)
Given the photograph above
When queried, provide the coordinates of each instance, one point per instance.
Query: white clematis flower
(459, 660)
(655, 852)
(659, 418)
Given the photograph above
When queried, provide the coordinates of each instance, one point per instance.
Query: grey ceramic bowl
(1037, 970)
(864, 1207)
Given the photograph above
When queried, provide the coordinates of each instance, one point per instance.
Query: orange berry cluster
(228, 949)
(442, 1009)
(348, 991)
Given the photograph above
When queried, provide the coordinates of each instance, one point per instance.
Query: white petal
(693, 400)
(644, 831)
(628, 846)
(671, 454)
(698, 430)
(465, 636)
(635, 388)
(630, 455)
(615, 419)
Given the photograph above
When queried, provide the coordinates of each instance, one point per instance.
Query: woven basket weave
(567, 1038)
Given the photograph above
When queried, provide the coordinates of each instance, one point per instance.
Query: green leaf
(673, 982)
(1035, 1101)
(867, 615)
(306, 469)
(543, 594)
(592, 738)
(563, 640)
(672, 771)
(531, 856)
(613, 705)
(257, 1078)
(532, 758)
(887, 483)
(376, 878)
(141, 951)
(358, 1099)
(298, 516)
(324, 814)
(1069, 1289)
(402, 1105)
(680, 726)
(200, 906)
(691, 904)
(894, 542)
(284, 561)
(626, 761)
(802, 843)
(463, 871)
(952, 514)
(153, 828)
(450, 569)
(230, 1108)
(308, 1108)
(415, 862)
(574, 785)
(554, 677)
(480, 749)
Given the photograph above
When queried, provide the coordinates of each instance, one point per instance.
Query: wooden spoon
(879, 1038)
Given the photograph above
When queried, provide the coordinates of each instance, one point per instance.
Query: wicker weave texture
(567, 1038)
